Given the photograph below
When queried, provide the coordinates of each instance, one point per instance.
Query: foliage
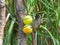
(49, 11)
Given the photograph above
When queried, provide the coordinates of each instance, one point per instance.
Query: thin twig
(33, 42)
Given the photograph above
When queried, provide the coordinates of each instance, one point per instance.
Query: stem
(36, 38)
(33, 42)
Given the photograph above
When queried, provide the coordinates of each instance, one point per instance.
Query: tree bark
(2, 20)
(20, 14)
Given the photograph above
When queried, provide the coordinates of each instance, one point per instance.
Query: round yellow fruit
(27, 29)
(27, 19)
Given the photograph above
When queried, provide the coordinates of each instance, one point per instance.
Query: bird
(35, 26)
(36, 23)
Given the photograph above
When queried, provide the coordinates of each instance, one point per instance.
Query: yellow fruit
(27, 29)
(27, 19)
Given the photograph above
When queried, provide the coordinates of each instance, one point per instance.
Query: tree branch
(2, 20)
(20, 16)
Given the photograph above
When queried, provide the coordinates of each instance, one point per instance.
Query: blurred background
(49, 29)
